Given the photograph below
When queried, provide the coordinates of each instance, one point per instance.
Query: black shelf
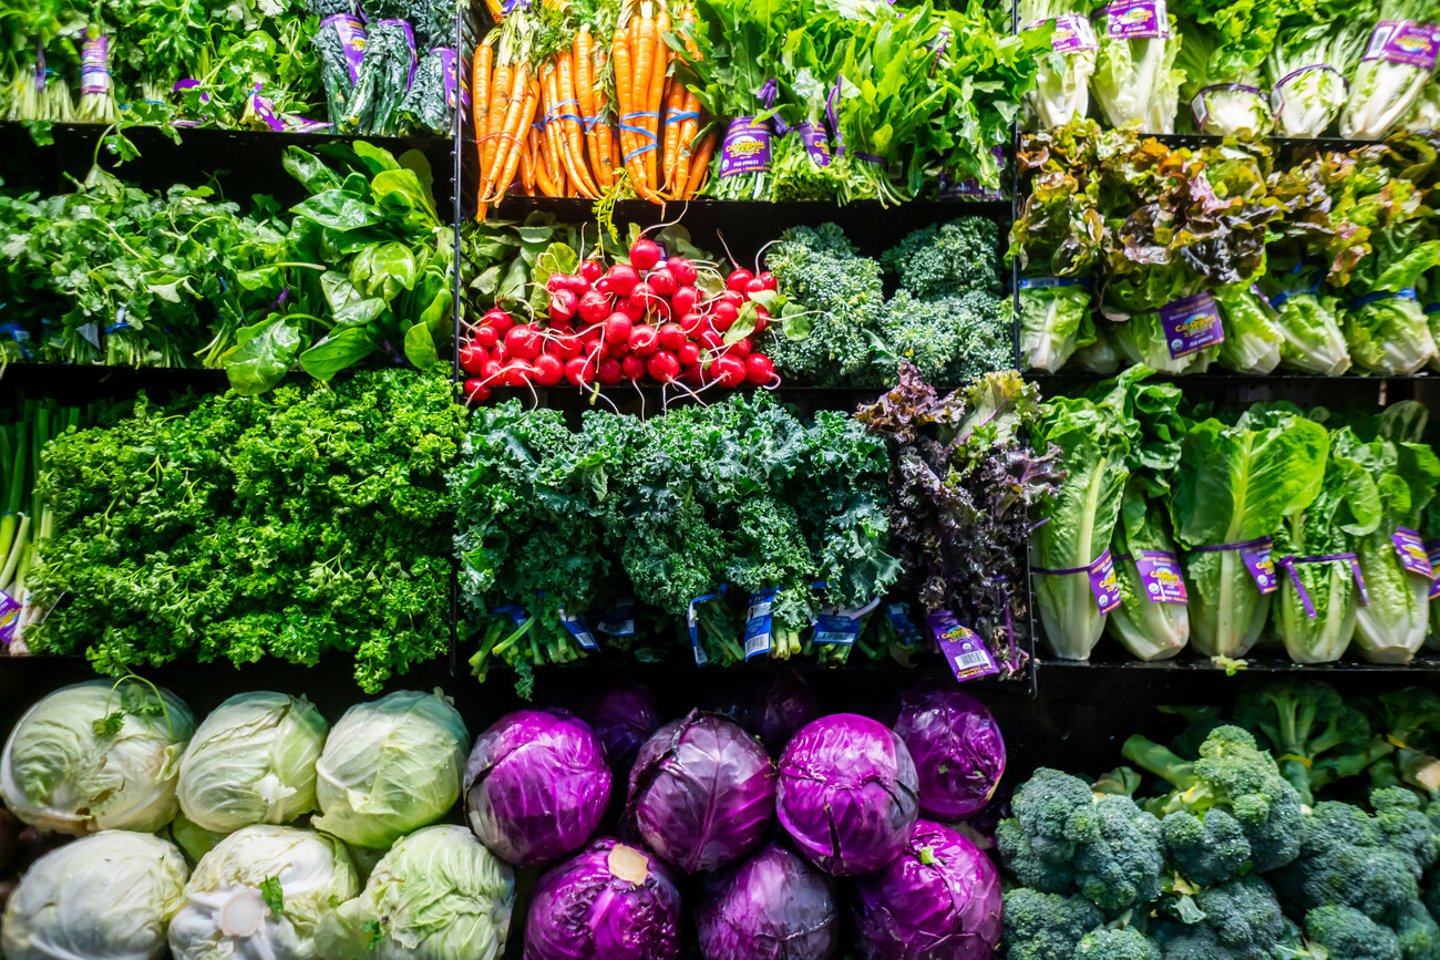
(1425, 664)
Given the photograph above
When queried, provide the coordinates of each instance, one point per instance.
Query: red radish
(631, 307)
(519, 374)
(610, 372)
(566, 345)
(728, 371)
(645, 253)
(740, 349)
(663, 366)
(617, 350)
(632, 367)
(549, 370)
(619, 280)
(499, 319)
(694, 375)
(683, 270)
(762, 319)
(756, 285)
(557, 281)
(617, 328)
(711, 339)
(523, 342)
(683, 300)
(759, 370)
(594, 306)
(767, 280)
(644, 340)
(592, 270)
(473, 357)
(692, 323)
(592, 344)
(486, 337)
(490, 371)
(734, 298)
(579, 371)
(575, 283)
(689, 354)
(738, 279)
(724, 316)
(476, 391)
(663, 282)
(672, 337)
(646, 296)
(563, 305)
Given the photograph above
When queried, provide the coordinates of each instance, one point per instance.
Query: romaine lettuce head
(261, 895)
(611, 900)
(1141, 339)
(958, 749)
(108, 896)
(1136, 81)
(390, 766)
(95, 756)
(1148, 630)
(702, 792)
(940, 898)
(1253, 338)
(252, 760)
(1389, 338)
(848, 794)
(536, 786)
(1314, 340)
(1054, 323)
(438, 894)
(1237, 483)
(773, 906)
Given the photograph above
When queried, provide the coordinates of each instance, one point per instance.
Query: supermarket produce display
(800, 479)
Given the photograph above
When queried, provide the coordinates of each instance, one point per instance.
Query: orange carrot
(582, 57)
(605, 133)
(514, 140)
(482, 64)
(502, 90)
(543, 181)
(623, 94)
(570, 129)
(551, 128)
(672, 125)
(527, 164)
(508, 135)
(700, 166)
(639, 109)
(659, 68)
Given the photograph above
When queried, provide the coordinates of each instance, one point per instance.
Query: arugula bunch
(312, 521)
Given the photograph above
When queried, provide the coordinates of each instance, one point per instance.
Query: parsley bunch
(309, 521)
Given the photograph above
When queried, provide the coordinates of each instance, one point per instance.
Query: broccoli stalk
(1315, 737)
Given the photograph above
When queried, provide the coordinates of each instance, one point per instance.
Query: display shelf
(242, 162)
(1426, 664)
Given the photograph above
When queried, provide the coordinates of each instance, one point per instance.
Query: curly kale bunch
(309, 521)
(948, 258)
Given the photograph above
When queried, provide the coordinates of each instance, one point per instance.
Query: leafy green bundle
(312, 521)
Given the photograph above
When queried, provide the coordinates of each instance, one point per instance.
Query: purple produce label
(836, 628)
(352, 40)
(1073, 34)
(1413, 556)
(265, 110)
(1137, 19)
(9, 617)
(1405, 41)
(747, 148)
(95, 66)
(1261, 566)
(1191, 325)
(1432, 550)
(1104, 583)
(450, 74)
(758, 622)
(1160, 575)
(409, 32)
(962, 647)
(817, 144)
(579, 630)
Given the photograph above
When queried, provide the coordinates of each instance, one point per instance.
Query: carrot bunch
(559, 112)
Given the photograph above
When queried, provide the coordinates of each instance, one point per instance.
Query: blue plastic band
(116, 327)
(679, 116)
(1406, 294)
(590, 122)
(1045, 283)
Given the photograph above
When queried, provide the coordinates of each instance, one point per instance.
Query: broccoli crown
(1120, 860)
(1418, 932)
(1206, 850)
(1045, 926)
(1064, 833)
(1234, 774)
(1124, 944)
(1403, 819)
(959, 255)
(1245, 917)
(1196, 945)
(1345, 859)
(1348, 933)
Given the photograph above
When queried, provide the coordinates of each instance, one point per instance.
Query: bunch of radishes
(642, 319)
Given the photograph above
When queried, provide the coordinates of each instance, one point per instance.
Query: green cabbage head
(96, 756)
(261, 895)
(390, 766)
(252, 760)
(437, 895)
(108, 896)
